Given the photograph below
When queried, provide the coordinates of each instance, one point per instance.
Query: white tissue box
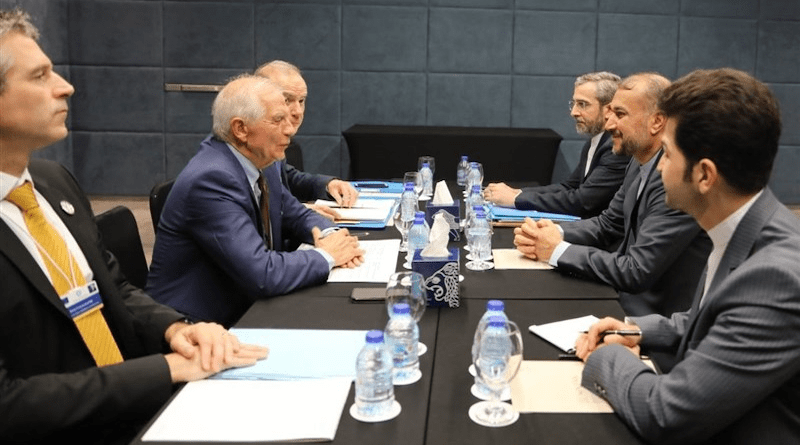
(453, 209)
(440, 277)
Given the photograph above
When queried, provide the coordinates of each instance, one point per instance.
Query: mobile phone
(368, 294)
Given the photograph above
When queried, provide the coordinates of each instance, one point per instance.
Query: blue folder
(507, 214)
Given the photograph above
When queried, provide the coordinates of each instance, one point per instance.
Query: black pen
(569, 357)
(623, 332)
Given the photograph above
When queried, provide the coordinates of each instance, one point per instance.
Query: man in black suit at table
(600, 172)
(303, 185)
(85, 356)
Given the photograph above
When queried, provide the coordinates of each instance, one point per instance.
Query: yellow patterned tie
(65, 275)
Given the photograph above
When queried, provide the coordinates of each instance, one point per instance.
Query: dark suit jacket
(660, 255)
(737, 380)
(50, 388)
(304, 186)
(209, 259)
(581, 195)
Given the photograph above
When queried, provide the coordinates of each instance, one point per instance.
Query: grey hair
(19, 21)
(276, 66)
(606, 84)
(240, 97)
(654, 86)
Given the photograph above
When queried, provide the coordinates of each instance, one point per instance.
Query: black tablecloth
(507, 154)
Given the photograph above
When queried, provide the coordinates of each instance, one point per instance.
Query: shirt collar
(722, 233)
(9, 182)
(250, 170)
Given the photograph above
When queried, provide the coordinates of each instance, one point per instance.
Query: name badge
(82, 299)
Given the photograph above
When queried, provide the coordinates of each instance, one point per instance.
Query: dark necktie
(264, 205)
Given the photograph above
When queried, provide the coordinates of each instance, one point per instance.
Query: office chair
(158, 196)
(121, 237)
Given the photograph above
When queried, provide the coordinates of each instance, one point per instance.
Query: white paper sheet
(362, 210)
(563, 333)
(380, 262)
(554, 387)
(253, 410)
(513, 259)
(300, 354)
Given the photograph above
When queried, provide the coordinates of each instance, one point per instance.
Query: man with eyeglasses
(653, 255)
(599, 173)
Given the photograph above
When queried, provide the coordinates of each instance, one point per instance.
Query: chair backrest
(158, 196)
(121, 237)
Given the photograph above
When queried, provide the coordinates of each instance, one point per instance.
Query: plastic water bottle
(494, 308)
(426, 175)
(496, 347)
(402, 336)
(461, 171)
(374, 388)
(475, 198)
(473, 176)
(417, 235)
(408, 203)
(482, 236)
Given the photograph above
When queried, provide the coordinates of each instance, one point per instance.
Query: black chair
(158, 196)
(121, 237)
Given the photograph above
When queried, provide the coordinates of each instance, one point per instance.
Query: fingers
(343, 192)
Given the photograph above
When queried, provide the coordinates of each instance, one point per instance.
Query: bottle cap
(401, 308)
(425, 164)
(463, 158)
(495, 305)
(476, 187)
(408, 186)
(375, 336)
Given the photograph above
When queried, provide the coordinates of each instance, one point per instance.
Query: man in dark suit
(651, 254)
(60, 380)
(737, 380)
(600, 172)
(219, 246)
(304, 186)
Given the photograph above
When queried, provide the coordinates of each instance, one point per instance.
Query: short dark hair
(729, 117)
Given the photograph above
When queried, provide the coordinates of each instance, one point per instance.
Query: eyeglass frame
(582, 104)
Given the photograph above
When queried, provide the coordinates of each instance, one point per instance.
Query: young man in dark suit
(84, 356)
(737, 376)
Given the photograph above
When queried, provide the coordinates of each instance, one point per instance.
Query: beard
(590, 128)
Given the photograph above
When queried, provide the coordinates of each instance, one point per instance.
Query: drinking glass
(402, 227)
(429, 159)
(497, 356)
(480, 248)
(414, 178)
(408, 287)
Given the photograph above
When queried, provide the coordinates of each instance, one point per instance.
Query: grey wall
(423, 62)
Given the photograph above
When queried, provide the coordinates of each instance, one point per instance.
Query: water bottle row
(390, 358)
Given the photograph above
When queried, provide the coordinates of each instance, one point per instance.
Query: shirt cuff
(557, 252)
(328, 258)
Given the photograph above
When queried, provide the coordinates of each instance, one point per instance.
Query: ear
(657, 123)
(239, 130)
(705, 175)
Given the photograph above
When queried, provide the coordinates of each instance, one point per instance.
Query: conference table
(435, 409)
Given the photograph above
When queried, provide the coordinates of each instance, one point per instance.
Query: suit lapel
(584, 160)
(273, 176)
(738, 250)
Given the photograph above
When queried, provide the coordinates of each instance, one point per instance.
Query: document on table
(554, 387)
(362, 210)
(253, 411)
(563, 333)
(513, 259)
(380, 262)
(297, 354)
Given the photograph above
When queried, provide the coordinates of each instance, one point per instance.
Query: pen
(568, 357)
(623, 332)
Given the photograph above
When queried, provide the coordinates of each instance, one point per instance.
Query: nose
(287, 128)
(62, 88)
(611, 121)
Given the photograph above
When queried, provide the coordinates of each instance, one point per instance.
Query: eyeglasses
(582, 104)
